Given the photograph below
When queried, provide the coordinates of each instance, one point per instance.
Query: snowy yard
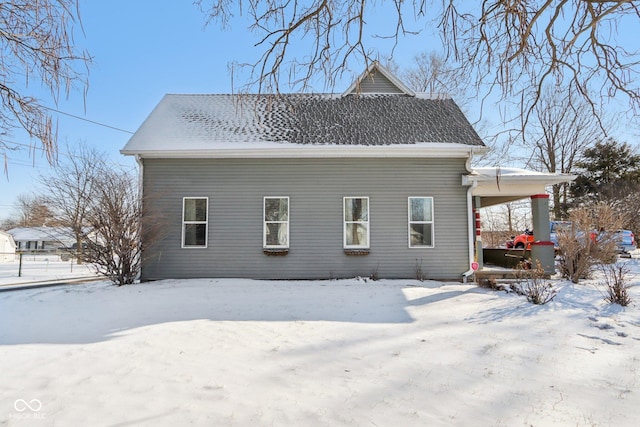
(317, 353)
(41, 268)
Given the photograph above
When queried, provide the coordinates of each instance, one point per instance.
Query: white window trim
(367, 222)
(206, 223)
(432, 222)
(264, 223)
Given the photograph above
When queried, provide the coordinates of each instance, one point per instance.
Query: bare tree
(500, 223)
(102, 207)
(431, 73)
(8, 224)
(117, 241)
(514, 46)
(69, 190)
(561, 127)
(32, 211)
(36, 38)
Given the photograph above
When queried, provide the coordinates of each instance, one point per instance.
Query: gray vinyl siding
(377, 83)
(316, 187)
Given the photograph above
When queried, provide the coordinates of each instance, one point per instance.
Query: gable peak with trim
(377, 79)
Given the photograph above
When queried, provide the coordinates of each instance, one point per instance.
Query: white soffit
(501, 182)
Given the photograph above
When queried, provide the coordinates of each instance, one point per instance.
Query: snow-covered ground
(317, 353)
(41, 268)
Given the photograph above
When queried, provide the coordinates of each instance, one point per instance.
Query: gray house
(307, 186)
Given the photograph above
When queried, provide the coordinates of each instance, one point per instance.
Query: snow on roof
(499, 185)
(33, 234)
(197, 123)
(511, 173)
(6, 235)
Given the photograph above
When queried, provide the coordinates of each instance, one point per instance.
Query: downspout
(470, 219)
(471, 226)
(140, 175)
(141, 199)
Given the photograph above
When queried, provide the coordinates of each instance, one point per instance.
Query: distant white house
(7, 247)
(41, 239)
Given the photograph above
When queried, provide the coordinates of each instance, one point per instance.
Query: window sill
(275, 252)
(357, 252)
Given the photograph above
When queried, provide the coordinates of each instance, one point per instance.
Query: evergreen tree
(608, 171)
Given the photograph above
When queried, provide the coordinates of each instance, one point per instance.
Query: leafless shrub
(615, 284)
(420, 275)
(488, 283)
(122, 230)
(533, 284)
(374, 274)
(588, 243)
(575, 256)
(504, 285)
(493, 284)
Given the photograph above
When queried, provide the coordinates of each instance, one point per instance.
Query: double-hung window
(276, 223)
(356, 222)
(420, 222)
(195, 212)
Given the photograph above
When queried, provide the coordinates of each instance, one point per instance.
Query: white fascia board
(548, 179)
(320, 151)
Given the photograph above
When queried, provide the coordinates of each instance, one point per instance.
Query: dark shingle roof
(368, 120)
(208, 121)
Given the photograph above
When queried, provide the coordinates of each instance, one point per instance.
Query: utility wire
(87, 120)
(19, 162)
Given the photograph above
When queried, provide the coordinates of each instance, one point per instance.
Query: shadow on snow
(98, 311)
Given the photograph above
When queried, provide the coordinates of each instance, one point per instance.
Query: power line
(87, 120)
(19, 162)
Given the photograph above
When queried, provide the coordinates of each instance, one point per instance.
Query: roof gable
(377, 79)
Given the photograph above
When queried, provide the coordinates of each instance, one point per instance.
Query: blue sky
(143, 50)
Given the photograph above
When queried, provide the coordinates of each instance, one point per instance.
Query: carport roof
(495, 185)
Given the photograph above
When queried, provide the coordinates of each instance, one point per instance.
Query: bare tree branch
(102, 207)
(515, 47)
(561, 126)
(69, 191)
(36, 45)
(123, 227)
(432, 74)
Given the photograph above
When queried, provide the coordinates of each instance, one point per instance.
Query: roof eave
(547, 178)
(441, 150)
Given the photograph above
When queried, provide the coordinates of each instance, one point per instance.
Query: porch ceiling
(496, 185)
